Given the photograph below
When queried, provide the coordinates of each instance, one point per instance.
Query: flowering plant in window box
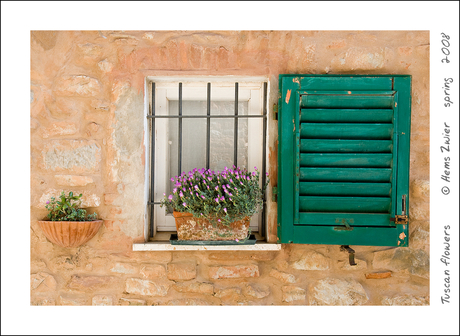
(210, 205)
(69, 225)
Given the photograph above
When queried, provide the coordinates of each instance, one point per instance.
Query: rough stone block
(146, 287)
(312, 261)
(378, 275)
(232, 272)
(406, 300)
(76, 156)
(73, 180)
(72, 300)
(90, 283)
(131, 302)
(337, 292)
(230, 295)
(403, 259)
(88, 200)
(102, 300)
(189, 302)
(83, 86)
(357, 58)
(195, 287)
(236, 255)
(181, 271)
(43, 301)
(153, 271)
(110, 198)
(293, 293)
(282, 276)
(42, 282)
(256, 291)
(58, 129)
(124, 268)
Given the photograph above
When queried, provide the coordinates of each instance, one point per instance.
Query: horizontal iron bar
(206, 116)
(155, 203)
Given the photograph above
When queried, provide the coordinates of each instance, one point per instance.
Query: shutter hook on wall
(351, 254)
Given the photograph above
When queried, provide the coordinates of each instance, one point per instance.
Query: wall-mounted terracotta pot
(70, 234)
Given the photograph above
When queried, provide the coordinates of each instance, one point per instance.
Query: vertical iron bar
(264, 153)
(208, 126)
(152, 167)
(179, 155)
(235, 133)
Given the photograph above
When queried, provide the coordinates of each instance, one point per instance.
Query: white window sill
(162, 246)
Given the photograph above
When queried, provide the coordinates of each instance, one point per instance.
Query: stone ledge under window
(164, 246)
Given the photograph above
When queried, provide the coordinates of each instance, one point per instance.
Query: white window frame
(250, 89)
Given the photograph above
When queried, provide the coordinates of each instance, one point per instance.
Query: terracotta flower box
(70, 234)
(192, 228)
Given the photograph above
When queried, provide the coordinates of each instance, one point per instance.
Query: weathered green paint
(344, 189)
(346, 160)
(347, 115)
(345, 131)
(345, 101)
(345, 204)
(345, 146)
(343, 159)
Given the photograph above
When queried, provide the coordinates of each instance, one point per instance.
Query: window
(344, 159)
(196, 123)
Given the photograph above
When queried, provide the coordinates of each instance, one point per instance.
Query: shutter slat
(345, 174)
(346, 101)
(344, 189)
(353, 219)
(344, 204)
(345, 83)
(346, 131)
(345, 146)
(346, 115)
(346, 160)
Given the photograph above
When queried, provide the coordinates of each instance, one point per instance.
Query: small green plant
(66, 208)
(222, 197)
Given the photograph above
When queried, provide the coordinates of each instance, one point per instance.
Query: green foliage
(224, 197)
(65, 208)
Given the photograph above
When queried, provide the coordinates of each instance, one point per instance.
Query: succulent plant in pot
(209, 205)
(68, 224)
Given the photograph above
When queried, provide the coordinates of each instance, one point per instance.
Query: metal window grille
(152, 116)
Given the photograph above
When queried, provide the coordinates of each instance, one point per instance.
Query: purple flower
(266, 174)
(48, 202)
(248, 178)
(253, 173)
(178, 184)
(230, 194)
(196, 194)
(228, 186)
(216, 199)
(237, 240)
(255, 168)
(170, 197)
(218, 220)
(172, 179)
(231, 181)
(174, 190)
(181, 194)
(222, 198)
(196, 187)
(225, 209)
(184, 204)
(203, 197)
(217, 188)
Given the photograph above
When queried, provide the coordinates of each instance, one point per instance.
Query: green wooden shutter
(343, 159)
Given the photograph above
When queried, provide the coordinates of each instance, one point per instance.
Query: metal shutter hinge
(400, 219)
(275, 112)
(274, 194)
(351, 254)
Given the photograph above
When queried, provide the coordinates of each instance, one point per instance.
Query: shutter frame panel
(346, 132)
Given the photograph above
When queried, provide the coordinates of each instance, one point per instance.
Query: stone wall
(87, 135)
